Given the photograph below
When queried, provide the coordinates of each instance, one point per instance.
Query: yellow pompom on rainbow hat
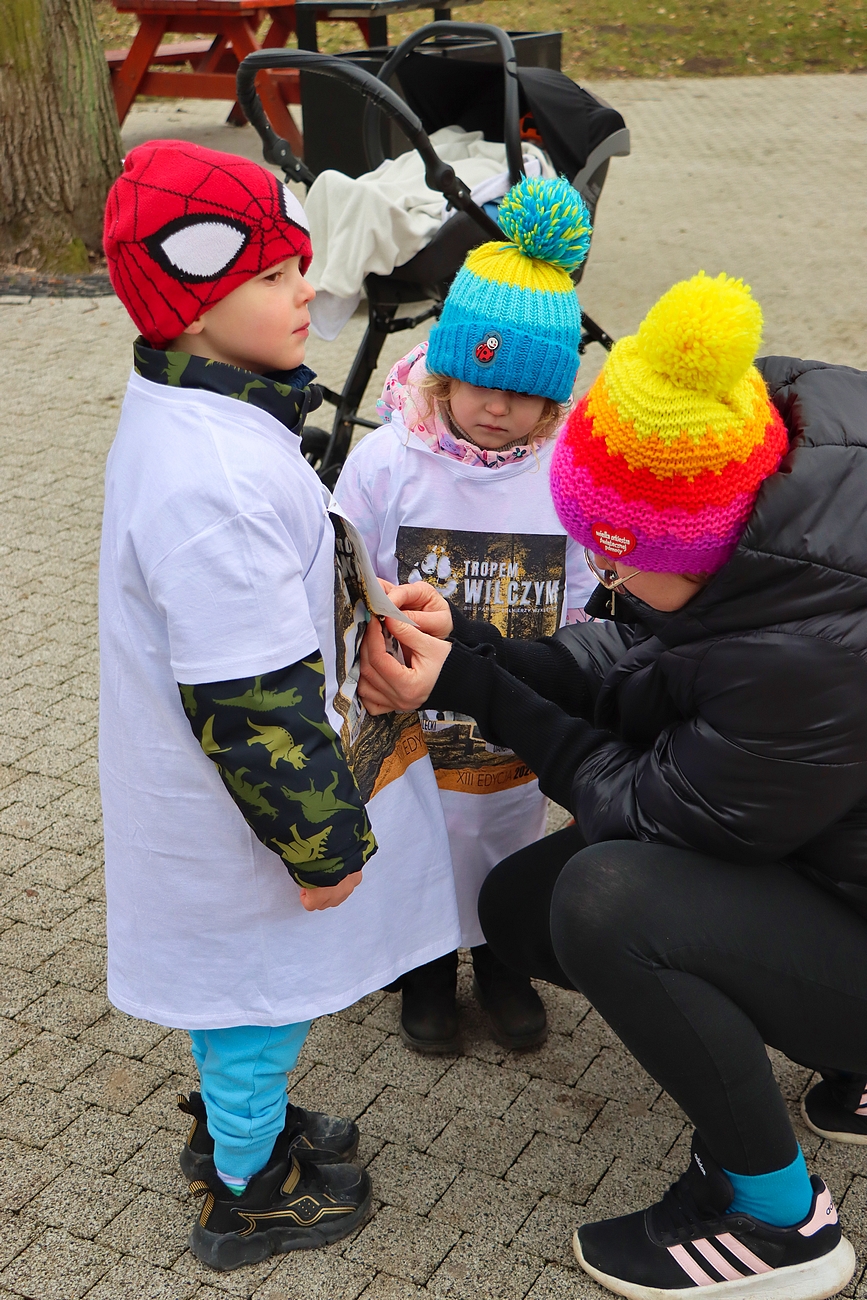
(662, 460)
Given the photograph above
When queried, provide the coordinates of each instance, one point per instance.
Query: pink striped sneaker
(688, 1241)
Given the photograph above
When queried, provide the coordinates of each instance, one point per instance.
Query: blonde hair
(436, 391)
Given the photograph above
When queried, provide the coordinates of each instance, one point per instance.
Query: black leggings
(695, 964)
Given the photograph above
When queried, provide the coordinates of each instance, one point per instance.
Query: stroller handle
(438, 174)
(511, 117)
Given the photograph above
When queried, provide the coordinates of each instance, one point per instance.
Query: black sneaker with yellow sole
(689, 1241)
(289, 1205)
(321, 1138)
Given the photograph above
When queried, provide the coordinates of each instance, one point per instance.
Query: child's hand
(316, 899)
(425, 606)
(386, 686)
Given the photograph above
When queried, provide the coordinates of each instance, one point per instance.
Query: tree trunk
(60, 143)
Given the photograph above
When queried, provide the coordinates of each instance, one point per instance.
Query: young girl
(453, 490)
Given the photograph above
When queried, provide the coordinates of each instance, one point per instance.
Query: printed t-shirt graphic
(378, 750)
(516, 582)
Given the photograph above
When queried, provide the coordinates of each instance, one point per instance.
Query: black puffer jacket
(737, 725)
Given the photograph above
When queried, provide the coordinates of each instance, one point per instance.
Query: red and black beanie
(185, 225)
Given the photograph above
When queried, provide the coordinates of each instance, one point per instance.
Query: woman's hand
(425, 606)
(315, 898)
(386, 686)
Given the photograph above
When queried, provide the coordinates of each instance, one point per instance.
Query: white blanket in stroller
(380, 220)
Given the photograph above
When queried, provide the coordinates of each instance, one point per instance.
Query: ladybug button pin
(486, 351)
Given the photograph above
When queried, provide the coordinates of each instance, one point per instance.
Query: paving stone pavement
(482, 1164)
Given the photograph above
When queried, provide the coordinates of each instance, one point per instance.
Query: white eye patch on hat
(198, 248)
(292, 209)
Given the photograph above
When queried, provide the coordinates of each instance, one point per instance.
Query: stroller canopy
(570, 121)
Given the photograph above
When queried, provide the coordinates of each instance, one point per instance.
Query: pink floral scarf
(401, 394)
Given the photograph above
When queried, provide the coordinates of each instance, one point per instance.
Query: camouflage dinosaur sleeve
(283, 765)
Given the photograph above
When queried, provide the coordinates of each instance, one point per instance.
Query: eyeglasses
(607, 578)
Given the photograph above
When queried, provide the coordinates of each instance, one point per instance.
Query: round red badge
(615, 542)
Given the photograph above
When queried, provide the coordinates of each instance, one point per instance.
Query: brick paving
(482, 1164)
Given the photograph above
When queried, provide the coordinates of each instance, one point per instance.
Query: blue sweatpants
(243, 1072)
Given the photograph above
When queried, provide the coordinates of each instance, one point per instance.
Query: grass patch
(641, 38)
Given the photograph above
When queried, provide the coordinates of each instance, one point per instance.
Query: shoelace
(678, 1213)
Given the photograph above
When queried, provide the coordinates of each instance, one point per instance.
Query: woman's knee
(603, 900)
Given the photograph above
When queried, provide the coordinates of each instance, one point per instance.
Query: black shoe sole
(833, 1135)
(193, 1165)
(512, 1042)
(431, 1046)
(225, 1251)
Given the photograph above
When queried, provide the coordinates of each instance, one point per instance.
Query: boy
(220, 765)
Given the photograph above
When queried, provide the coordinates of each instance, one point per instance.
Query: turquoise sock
(781, 1198)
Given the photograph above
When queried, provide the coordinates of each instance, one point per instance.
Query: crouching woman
(709, 734)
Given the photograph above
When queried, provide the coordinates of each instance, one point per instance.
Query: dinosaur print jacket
(282, 764)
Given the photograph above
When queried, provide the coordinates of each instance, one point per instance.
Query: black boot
(516, 1011)
(288, 1205)
(429, 1014)
(320, 1138)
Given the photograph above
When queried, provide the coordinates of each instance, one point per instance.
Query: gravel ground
(482, 1164)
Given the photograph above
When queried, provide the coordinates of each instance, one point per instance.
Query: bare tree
(59, 138)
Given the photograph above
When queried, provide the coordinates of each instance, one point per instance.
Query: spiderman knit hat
(663, 458)
(185, 225)
(511, 319)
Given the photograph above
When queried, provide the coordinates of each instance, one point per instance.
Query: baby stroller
(580, 133)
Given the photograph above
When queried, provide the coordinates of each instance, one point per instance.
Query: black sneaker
(320, 1138)
(429, 1010)
(288, 1205)
(836, 1108)
(514, 1008)
(689, 1241)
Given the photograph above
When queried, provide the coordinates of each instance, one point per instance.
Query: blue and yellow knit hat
(511, 319)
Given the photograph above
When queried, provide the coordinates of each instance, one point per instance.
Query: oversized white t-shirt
(218, 562)
(490, 541)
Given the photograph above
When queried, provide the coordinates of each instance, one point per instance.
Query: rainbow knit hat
(662, 460)
(511, 319)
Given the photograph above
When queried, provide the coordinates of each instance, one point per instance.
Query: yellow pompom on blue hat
(511, 319)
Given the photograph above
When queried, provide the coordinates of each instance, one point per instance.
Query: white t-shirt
(489, 540)
(218, 562)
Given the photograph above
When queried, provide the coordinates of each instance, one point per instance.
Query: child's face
(494, 416)
(262, 325)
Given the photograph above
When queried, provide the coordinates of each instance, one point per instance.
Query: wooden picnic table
(234, 24)
(151, 68)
